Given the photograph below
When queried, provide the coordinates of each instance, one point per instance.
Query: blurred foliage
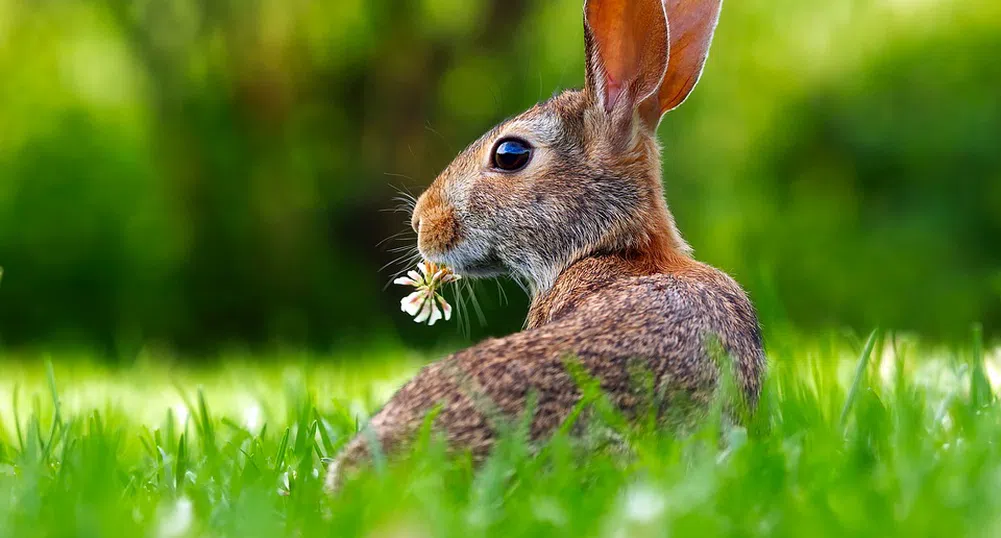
(207, 172)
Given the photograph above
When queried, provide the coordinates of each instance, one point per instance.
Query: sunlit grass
(854, 436)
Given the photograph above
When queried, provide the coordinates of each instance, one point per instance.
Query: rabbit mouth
(471, 262)
(481, 269)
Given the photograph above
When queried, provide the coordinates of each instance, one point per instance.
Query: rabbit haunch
(585, 222)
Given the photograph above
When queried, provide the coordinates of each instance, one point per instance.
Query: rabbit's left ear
(627, 53)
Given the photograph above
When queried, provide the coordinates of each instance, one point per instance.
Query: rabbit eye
(511, 155)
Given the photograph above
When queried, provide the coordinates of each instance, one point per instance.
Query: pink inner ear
(692, 23)
(630, 48)
(613, 89)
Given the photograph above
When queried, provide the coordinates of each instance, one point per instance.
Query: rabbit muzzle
(441, 238)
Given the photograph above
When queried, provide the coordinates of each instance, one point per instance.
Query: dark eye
(512, 155)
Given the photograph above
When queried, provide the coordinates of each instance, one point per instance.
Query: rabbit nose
(425, 205)
(415, 217)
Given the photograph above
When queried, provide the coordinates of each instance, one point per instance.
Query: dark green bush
(208, 174)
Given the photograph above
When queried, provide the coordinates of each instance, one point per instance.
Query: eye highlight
(511, 154)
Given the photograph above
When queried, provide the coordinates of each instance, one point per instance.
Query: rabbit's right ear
(626, 43)
(692, 24)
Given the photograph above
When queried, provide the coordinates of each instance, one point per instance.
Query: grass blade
(50, 375)
(181, 465)
(17, 417)
(981, 393)
(327, 444)
(205, 426)
(860, 368)
(282, 448)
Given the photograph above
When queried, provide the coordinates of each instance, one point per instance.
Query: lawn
(855, 436)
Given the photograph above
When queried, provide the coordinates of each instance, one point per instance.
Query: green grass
(854, 437)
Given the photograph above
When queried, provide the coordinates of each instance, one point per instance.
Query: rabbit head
(580, 174)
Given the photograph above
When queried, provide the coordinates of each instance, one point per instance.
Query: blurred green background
(208, 174)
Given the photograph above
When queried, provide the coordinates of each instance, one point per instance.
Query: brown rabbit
(568, 197)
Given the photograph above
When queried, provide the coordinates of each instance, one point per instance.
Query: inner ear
(627, 46)
(693, 23)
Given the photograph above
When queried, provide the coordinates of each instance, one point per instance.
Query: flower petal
(405, 281)
(435, 279)
(426, 269)
(411, 304)
(435, 313)
(415, 276)
(445, 307)
(425, 312)
(450, 277)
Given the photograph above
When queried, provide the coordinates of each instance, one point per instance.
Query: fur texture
(585, 223)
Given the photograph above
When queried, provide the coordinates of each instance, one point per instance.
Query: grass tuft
(905, 445)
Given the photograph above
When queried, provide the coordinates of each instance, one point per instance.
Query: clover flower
(426, 304)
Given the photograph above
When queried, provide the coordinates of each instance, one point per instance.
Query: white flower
(426, 304)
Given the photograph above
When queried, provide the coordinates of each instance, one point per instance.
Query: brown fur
(585, 224)
(441, 231)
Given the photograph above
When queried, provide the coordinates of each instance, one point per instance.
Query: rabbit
(568, 197)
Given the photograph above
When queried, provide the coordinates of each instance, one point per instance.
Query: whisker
(403, 248)
(476, 305)
(412, 260)
(501, 292)
(429, 128)
(406, 192)
(396, 260)
(521, 284)
(464, 324)
(403, 194)
(393, 237)
(400, 209)
(460, 310)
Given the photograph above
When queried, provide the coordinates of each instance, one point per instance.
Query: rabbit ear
(692, 24)
(626, 43)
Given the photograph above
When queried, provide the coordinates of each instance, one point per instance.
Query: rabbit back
(614, 326)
